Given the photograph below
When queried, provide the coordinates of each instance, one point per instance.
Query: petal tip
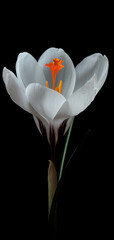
(5, 72)
(4, 69)
(106, 59)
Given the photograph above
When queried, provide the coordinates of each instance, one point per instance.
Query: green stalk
(65, 150)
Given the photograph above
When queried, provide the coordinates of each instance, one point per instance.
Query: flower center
(55, 67)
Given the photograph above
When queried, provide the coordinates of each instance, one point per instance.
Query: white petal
(45, 101)
(93, 64)
(14, 89)
(43, 125)
(103, 73)
(66, 74)
(68, 124)
(37, 123)
(78, 101)
(28, 69)
(60, 126)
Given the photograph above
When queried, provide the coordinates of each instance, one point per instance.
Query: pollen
(55, 67)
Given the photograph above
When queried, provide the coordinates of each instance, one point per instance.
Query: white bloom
(55, 104)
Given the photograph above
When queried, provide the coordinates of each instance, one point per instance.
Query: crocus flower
(52, 89)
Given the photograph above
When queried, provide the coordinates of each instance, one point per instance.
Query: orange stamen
(55, 67)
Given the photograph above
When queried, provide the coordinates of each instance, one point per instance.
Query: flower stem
(76, 154)
(65, 150)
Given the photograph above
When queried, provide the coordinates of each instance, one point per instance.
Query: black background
(84, 206)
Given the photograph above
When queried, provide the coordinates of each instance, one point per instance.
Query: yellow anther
(47, 85)
(60, 86)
